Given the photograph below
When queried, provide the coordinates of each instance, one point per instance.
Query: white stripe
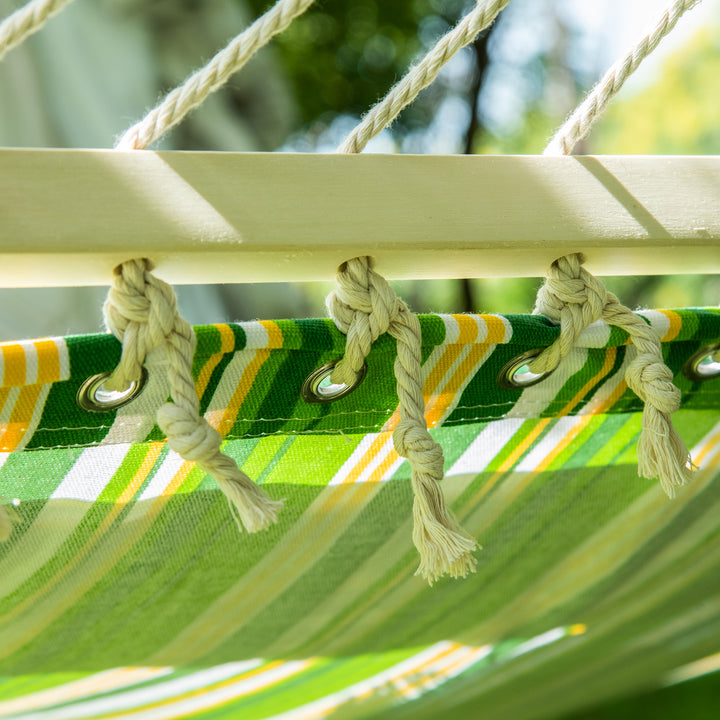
(452, 329)
(659, 322)
(486, 446)
(393, 677)
(64, 357)
(31, 362)
(596, 335)
(91, 473)
(164, 475)
(537, 399)
(102, 682)
(548, 444)
(227, 387)
(355, 457)
(257, 337)
(220, 696)
(150, 694)
(60, 516)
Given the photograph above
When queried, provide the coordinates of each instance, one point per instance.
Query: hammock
(283, 519)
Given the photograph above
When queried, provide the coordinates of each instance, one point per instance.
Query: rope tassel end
(444, 547)
(194, 439)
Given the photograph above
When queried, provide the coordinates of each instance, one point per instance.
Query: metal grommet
(516, 374)
(317, 387)
(701, 366)
(94, 398)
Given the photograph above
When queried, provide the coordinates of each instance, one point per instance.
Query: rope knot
(649, 377)
(363, 306)
(414, 443)
(571, 288)
(188, 434)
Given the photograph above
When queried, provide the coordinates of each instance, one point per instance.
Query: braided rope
(575, 299)
(584, 116)
(364, 306)
(141, 311)
(213, 76)
(19, 26)
(421, 75)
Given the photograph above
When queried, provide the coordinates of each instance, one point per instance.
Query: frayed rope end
(195, 440)
(251, 507)
(444, 550)
(661, 452)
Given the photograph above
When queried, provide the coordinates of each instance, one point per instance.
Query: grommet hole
(318, 388)
(93, 396)
(516, 374)
(702, 365)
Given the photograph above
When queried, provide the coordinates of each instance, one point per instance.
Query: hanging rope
(212, 77)
(19, 26)
(578, 125)
(575, 299)
(421, 75)
(141, 311)
(364, 306)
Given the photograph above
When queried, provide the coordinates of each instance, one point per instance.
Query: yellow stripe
(675, 325)
(227, 343)
(445, 398)
(176, 699)
(275, 336)
(48, 356)
(468, 329)
(297, 551)
(497, 329)
(22, 413)
(610, 355)
(14, 363)
(230, 413)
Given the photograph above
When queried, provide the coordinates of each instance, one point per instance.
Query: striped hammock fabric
(128, 592)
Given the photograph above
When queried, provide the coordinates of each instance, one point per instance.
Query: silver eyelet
(516, 374)
(317, 387)
(94, 398)
(701, 366)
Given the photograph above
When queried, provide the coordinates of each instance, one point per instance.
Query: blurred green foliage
(341, 57)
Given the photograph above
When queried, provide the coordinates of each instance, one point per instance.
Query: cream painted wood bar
(67, 217)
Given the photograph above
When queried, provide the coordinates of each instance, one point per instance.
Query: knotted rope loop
(364, 306)
(575, 298)
(141, 310)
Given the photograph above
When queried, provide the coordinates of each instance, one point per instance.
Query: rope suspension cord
(212, 76)
(25, 21)
(141, 310)
(581, 120)
(574, 298)
(364, 306)
(420, 76)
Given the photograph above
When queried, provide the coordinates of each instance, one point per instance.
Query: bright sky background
(623, 22)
